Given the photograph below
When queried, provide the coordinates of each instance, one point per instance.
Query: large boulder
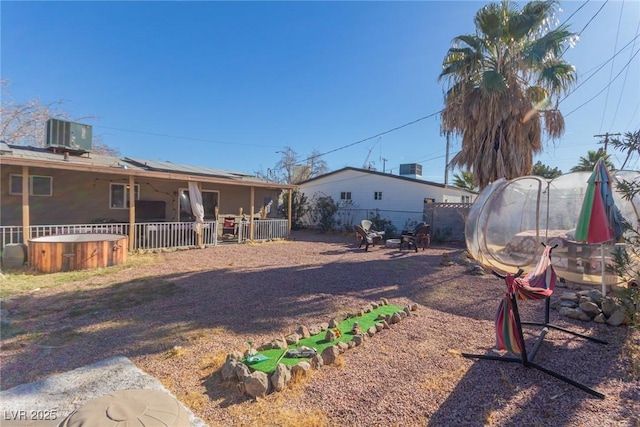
(280, 377)
(257, 384)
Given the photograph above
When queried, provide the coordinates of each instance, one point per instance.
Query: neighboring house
(67, 187)
(397, 198)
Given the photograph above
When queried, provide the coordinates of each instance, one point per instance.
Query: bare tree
(24, 123)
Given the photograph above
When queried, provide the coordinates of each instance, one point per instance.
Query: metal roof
(102, 161)
(166, 166)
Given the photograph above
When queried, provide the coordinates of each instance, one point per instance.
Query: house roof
(94, 162)
(386, 175)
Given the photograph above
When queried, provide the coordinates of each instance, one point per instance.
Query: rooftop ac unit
(69, 136)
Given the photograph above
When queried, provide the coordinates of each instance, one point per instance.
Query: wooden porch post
(201, 226)
(132, 213)
(253, 193)
(26, 233)
(289, 204)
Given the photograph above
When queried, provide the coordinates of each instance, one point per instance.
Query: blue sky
(228, 84)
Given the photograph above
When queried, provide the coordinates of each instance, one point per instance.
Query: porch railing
(157, 235)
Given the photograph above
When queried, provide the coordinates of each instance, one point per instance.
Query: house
(58, 186)
(400, 199)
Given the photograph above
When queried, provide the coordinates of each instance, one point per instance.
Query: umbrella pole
(604, 285)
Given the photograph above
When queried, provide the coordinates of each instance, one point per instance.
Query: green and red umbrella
(600, 220)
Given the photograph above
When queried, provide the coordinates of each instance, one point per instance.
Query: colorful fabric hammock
(538, 284)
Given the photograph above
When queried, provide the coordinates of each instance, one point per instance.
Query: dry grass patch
(176, 351)
(212, 362)
(275, 410)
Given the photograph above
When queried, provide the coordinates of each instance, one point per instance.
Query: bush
(381, 224)
(324, 211)
(299, 207)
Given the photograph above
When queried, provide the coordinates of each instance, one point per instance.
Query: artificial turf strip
(317, 341)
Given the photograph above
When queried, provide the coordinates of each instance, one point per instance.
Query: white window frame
(345, 195)
(31, 187)
(125, 205)
(377, 195)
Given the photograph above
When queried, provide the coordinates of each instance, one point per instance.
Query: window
(466, 199)
(345, 195)
(377, 195)
(38, 185)
(119, 195)
(209, 203)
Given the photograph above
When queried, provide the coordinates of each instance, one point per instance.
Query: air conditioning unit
(69, 136)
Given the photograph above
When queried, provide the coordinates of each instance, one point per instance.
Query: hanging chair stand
(526, 358)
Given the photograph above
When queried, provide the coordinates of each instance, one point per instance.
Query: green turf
(317, 341)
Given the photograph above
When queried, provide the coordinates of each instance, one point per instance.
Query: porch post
(253, 193)
(26, 232)
(289, 204)
(132, 214)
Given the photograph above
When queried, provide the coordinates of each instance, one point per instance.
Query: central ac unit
(69, 135)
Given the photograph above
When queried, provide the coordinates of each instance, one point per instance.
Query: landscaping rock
(375, 305)
(302, 368)
(407, 310)
(395, 318)
(316, 361)
(371, 331)
(315, 329)
(292, 339)
(569, 296)
(379, 327)
(280, 377)
(333, 323)
(229, 368)
(595, 295)
(330, 336)
(266, 346)
(342, 346)
(280, 343)
(324, 326)
(242, 371)
(608, 306)
(574, 313)
(357, 340)
(413, 307)
(600, 318)
(590, 308)
(257, 384)
(385, 325)
(303, 331)
(384, 301)
(617, 318)
(330, 354)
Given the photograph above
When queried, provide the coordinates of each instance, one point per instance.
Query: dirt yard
(177, 315)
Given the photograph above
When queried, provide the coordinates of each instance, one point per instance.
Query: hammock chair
(538, 284)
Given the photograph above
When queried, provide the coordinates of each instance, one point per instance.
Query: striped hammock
(538, 284)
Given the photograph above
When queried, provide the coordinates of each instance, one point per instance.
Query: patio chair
(229, 226)
(367, 238)
(538, 284)
(419, 237)
(366, 225)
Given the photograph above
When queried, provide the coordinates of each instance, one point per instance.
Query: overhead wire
(615, 46)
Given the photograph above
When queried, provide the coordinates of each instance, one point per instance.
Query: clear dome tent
(510, 219)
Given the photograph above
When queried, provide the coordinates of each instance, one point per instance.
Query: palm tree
(464, 180)
(504, 85)
(589, 162)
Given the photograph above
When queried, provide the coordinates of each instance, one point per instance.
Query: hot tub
(68, 252)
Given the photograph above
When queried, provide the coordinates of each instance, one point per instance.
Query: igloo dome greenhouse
(510, 219)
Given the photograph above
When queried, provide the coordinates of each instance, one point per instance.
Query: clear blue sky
(227, 84)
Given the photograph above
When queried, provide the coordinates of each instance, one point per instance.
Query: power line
(615, 46)
(185, 137)
(605, 88)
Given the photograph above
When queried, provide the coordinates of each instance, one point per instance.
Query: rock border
(257, 383)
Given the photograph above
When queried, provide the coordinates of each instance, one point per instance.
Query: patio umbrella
(599, 220)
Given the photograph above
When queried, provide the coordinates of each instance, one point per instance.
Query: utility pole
(384, 164)
(446, 165)
(606, 139)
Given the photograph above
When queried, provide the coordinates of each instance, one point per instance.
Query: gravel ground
(179, 315)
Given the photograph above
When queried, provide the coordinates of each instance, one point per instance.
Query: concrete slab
(47, 402)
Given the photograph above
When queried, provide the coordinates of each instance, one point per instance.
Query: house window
(466, 199)
(209, 203)
(377, 195)
(345, 195)
(119, 195)
(38, 185)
